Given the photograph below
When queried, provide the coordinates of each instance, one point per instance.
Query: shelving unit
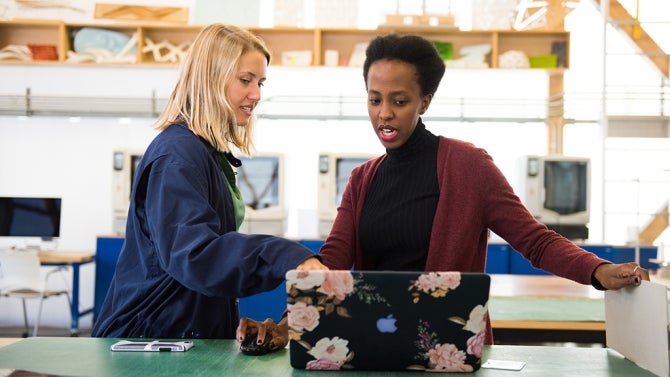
(283, 39)
(315, 42)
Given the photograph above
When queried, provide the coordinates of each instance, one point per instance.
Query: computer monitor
(124, 165)
(27, 222)
(261, 182)
(558, 193)
(260, 179)
(334, 172)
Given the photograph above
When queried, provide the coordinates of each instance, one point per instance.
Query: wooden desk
(503, 285)
(8, 341)
(537, 308)
(92, 357)
(65, 257)
(73, 259)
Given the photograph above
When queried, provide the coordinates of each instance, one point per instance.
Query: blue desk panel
(313, 245)
(271, 304)
(498, 258)
(521, 266)
(615, 254)
(106, 254)
(501, 259)
(623, 254)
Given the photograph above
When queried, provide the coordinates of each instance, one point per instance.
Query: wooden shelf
(282, 39)
(534, 43)
(24, 32)
(182, 35)
(71, 30)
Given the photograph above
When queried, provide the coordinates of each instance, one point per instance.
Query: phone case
(152, 346)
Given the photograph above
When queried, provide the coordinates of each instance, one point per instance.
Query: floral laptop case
(383, 320)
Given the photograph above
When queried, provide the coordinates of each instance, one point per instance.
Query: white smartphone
(152, 346)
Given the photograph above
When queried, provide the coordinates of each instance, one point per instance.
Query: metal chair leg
(39, 315)
(25, 318)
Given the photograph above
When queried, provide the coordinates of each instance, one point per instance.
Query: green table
(566, 309)
(536, 309)
(92, 357)
(524, 320)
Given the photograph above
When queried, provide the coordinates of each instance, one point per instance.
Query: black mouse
(250, 347)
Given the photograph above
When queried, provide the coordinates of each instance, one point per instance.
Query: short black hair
(412, 49)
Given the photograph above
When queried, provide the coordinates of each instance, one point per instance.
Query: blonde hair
(199, 97)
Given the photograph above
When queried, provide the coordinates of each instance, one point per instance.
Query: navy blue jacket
(182, 264)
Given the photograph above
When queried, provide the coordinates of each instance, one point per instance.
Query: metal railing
(639, 101)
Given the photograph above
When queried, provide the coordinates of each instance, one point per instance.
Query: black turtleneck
(400, 204)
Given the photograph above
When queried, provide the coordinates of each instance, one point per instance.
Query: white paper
(636, 320)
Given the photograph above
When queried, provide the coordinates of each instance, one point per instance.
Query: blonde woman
(183, 264)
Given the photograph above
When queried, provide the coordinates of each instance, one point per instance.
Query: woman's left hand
(615, 276)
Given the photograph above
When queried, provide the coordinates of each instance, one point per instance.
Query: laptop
(386, 320)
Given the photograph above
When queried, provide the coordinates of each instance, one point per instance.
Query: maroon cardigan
(474, 197)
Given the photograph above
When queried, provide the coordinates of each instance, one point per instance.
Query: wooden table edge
(548, 325)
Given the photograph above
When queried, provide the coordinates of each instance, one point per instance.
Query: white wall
(70, 158)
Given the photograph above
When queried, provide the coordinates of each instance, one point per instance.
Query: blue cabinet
(615, 254)
(498, 258)
(519, 265)
(313, 245)
(107, 251)
(501, 259)
(623, 254)
(271, 304)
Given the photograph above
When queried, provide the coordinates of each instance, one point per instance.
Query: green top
(68, 356)
(238, 201)
(547, 309)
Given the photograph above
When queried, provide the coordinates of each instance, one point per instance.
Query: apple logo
(387, 324)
